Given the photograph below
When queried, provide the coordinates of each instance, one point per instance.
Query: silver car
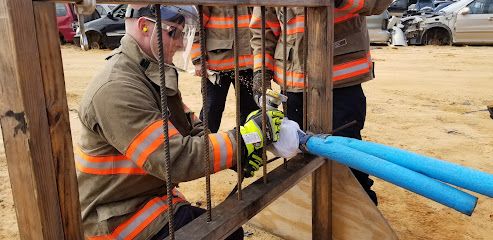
(377, 28)
(474, 23)
(463, 22)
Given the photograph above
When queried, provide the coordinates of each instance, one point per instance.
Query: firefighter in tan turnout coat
(219, 36)
(352, 62)
(120, 157)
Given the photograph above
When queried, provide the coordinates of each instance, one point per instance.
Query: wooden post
(58, 118)
(35, 124)
(319, 111)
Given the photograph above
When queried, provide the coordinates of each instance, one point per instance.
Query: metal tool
(273, 99)
(489, 108)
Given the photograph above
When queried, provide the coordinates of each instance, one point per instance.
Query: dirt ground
(419, 101)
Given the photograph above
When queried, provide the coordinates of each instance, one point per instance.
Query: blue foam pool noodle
(444, 171)
(393, 173)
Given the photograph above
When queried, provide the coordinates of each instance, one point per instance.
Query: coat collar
(149, 65)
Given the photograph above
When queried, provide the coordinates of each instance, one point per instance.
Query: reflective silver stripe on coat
(352, 69)
(143, 216)
(151, 138)
(223, 151)
(124, 163)
(241, 60)
(349, 9)
(227, 23)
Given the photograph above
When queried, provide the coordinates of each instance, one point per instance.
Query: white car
(377, 28)
(463, 22)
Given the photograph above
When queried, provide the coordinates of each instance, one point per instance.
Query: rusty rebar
(205, 113)
(165, 117)
(239, 170)
(305, 80)
(285, 65)
(264, 89)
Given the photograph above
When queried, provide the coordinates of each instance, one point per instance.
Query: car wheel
(94, 40)
(436, 36)
(62, 40)
(95, 45)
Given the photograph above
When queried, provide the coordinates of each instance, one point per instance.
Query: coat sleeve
(361, 7)
(130, 120)
(272, 33)
(197, 125)
(195, 53)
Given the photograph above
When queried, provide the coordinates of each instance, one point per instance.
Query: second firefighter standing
(352, 62)
(219, 34)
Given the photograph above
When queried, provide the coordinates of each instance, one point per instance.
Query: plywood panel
(289, 217)
(354, 216)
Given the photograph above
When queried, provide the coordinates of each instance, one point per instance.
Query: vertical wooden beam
(319, 111)
(58, 118)
(30, 121)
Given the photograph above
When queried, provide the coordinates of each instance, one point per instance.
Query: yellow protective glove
(253, 139)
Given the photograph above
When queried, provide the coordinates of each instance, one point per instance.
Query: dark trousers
(349, 105)
(186, 214)
(216, 98)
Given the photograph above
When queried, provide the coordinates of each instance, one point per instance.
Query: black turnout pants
(349, 105)
(216, 97)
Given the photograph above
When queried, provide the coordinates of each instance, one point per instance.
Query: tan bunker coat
(219, 28)
(352, 60)
(120, 157)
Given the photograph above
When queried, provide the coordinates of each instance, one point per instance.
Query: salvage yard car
(107, 31)
(377, 28)
(66, 18)
(463, 22)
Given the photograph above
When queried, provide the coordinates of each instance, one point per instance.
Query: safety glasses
(174, 32)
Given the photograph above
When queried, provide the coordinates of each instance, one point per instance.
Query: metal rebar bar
(305, 80)
(165, 117)
(237, 92)
(264, 107)
(285, 64)
(205, 113)
(349, 124)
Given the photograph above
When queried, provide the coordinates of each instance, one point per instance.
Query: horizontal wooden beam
(232, 213)
(274, 3)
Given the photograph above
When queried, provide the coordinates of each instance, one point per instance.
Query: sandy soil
(418, 102)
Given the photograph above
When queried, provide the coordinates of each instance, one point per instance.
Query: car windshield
(60, 10)
(119, 11)
(452, 7)
(441, 6)
(424, 3)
